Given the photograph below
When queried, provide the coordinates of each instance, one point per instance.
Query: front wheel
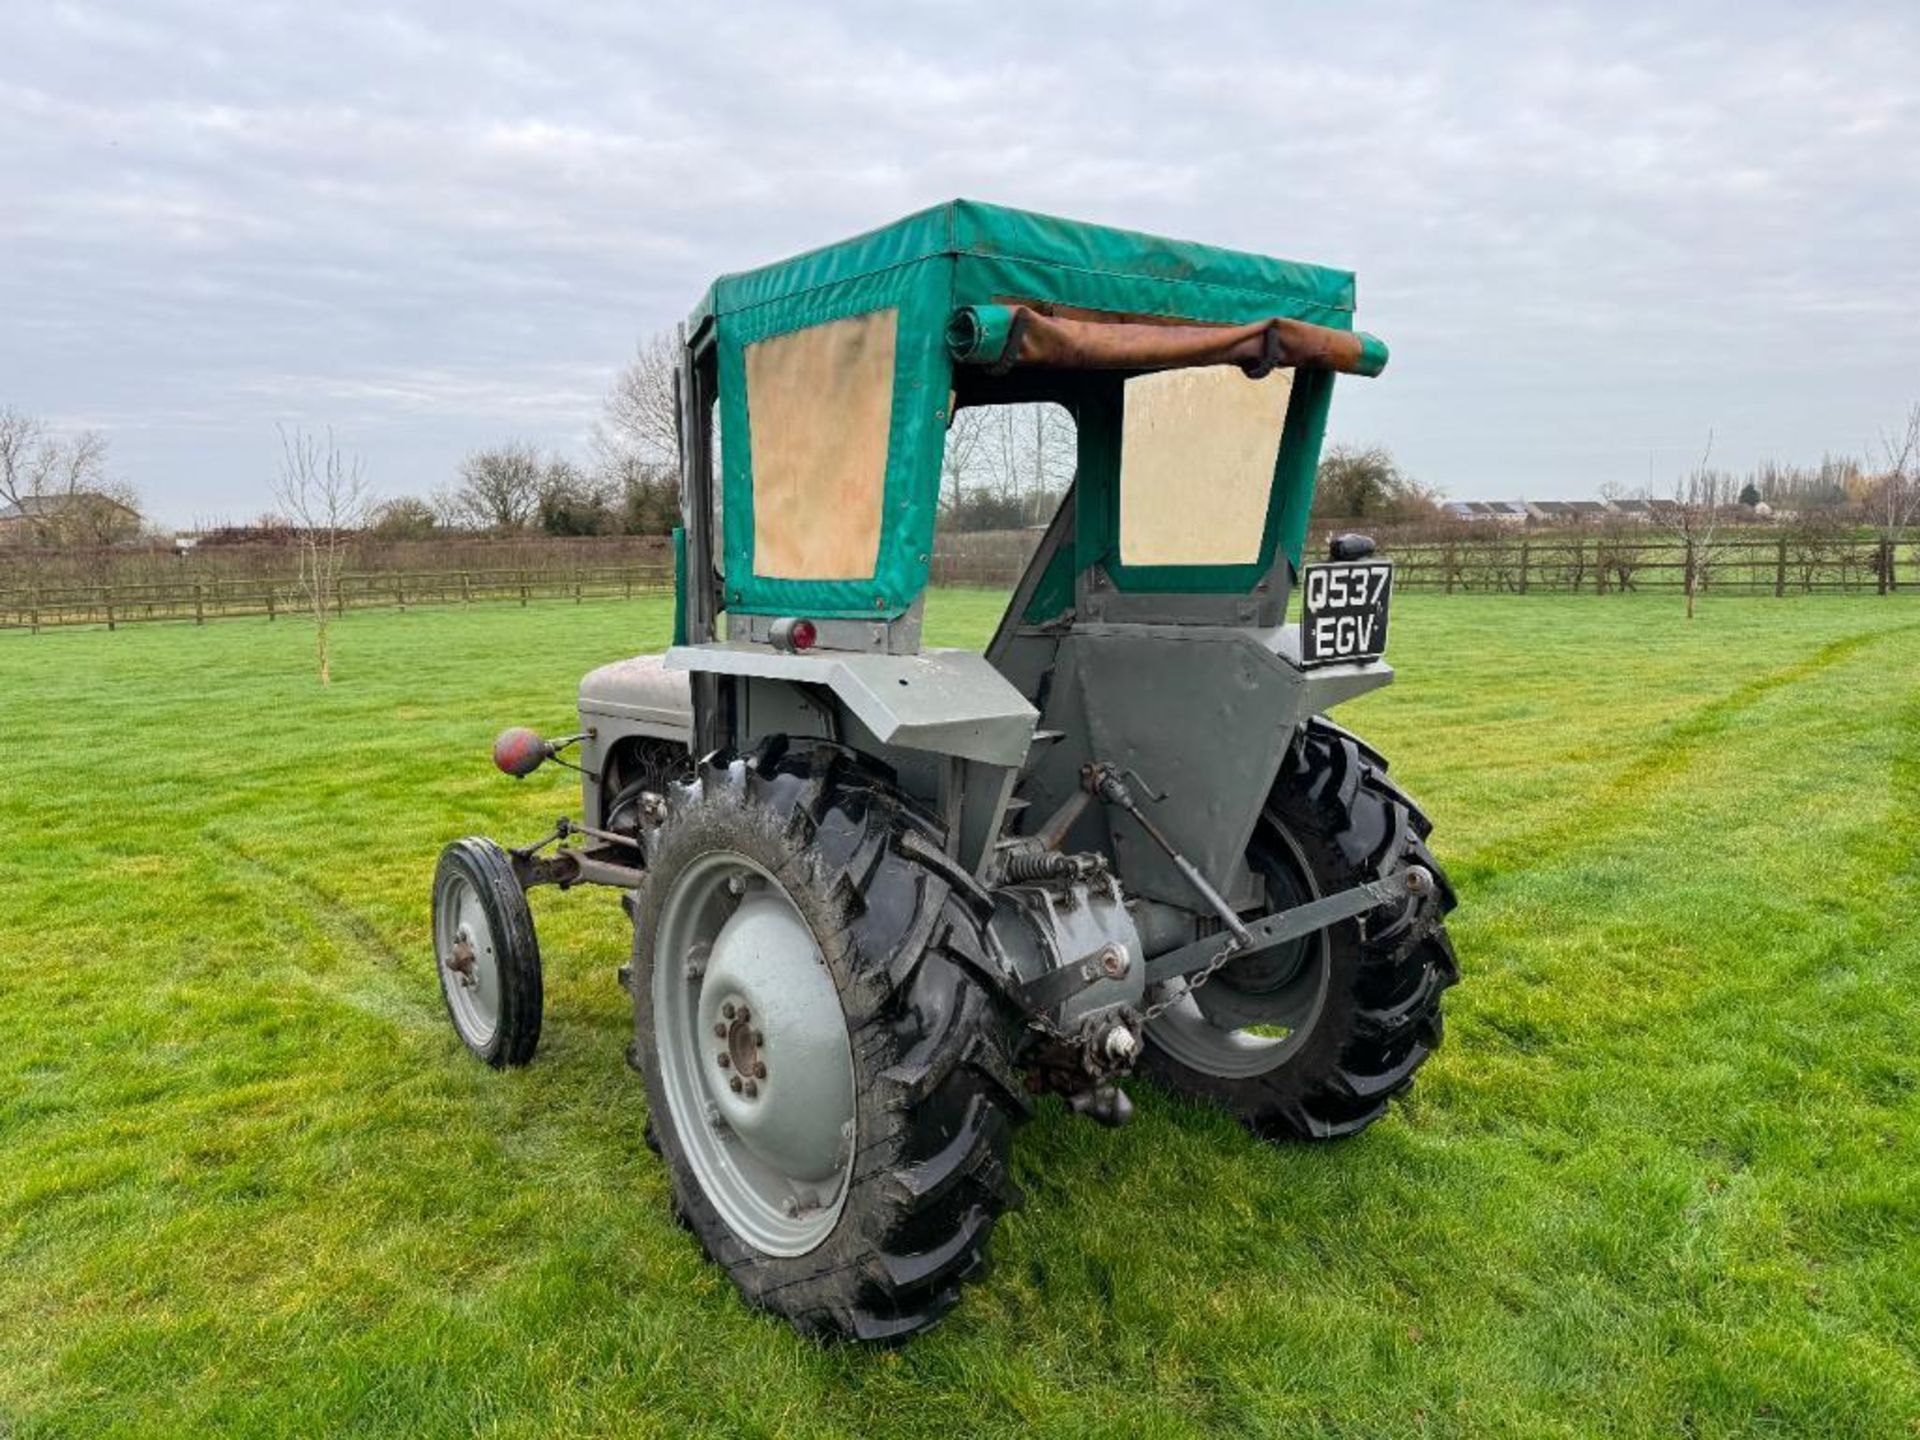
(1312, 1039)
(488, 956)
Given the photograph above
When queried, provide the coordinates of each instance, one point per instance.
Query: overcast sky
(1590, 233)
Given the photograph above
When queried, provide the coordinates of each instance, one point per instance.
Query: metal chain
(1153, 1012)
(1174, 997)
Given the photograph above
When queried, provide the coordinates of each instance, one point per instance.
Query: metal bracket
(1059, 985)
(569, 867)
(1287, 925)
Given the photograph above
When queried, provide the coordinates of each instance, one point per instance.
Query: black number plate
(1344, 616)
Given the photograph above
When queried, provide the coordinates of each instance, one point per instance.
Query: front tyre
(487, 953)
(1313, 1039)
(827, 1077)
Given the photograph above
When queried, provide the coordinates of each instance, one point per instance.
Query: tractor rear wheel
(827, 1076)
(1311, 1040)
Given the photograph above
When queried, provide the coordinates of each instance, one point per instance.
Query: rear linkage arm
(1108, 784)
(1287, 925)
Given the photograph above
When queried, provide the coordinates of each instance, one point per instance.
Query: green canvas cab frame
(835, 375)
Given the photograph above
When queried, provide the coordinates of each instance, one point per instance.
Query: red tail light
(793, 635)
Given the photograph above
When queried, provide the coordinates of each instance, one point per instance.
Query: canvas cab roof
(996, 252)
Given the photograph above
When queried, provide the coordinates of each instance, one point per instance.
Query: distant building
(1551, 512)
(1486, 512)
(1567, 512)
(86, 510)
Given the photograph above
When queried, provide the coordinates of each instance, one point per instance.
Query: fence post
(271, 615)
(400, 592)
(466, 588)
(110, 621)
(1526, 558)
(1450, 566)
(33, 601)
(576, 587)
(1885, 567)
(627, 577)
(1780, 569)
(523, 589)
(199, 606)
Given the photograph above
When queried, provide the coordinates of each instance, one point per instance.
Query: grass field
(1663, 1179)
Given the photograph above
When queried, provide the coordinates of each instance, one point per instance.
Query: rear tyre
(827, 1076)
(1312, 1041)
(487, 953)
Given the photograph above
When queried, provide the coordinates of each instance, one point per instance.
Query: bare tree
(1817, 540)
(324, 493)
(500, 488)
(1030, 454)
(960, 462)
(1693, 513)
(1893, 502)
(1620, 551)
(640, 422)
(1005, 466)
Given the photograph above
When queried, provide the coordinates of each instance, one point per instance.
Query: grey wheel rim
(755, 1061)
(469, 957)
(1234, 1035)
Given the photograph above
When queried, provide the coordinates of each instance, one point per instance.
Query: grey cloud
(1590, 232)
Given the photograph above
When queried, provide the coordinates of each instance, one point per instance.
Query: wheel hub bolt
(759, 1069)
(727, 1010)
(719, 1030)
(735, 1084)
(745, 1015)
(723, 1060)
(750, 1088)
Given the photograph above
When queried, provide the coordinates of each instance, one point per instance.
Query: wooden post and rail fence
(1775, 565)
(42, 606)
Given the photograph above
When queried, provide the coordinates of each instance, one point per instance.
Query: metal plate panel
(948, 702)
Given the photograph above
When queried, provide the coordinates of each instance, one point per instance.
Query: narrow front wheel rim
(469, 956)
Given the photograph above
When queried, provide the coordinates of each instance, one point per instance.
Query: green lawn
(1663, 1179)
